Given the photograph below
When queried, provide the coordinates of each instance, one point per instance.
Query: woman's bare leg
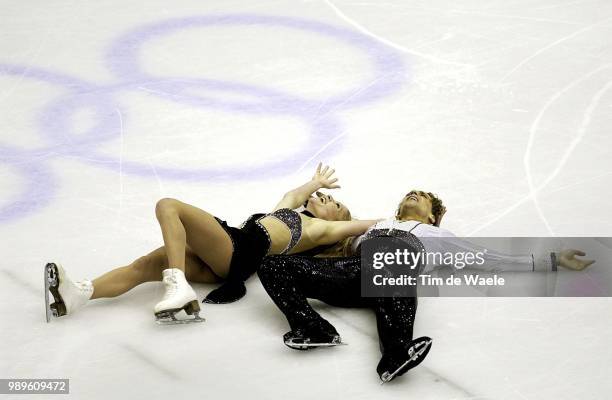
(184, 225)
(148, 269)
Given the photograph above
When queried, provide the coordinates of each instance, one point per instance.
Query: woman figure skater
(199, 247)
(291, 280)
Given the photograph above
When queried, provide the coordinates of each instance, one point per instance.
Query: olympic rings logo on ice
(54, 120)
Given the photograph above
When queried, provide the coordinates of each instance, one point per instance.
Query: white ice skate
(179, 296)
(69, 296)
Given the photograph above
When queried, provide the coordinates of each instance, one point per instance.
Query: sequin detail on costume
(291, 280)
(293, 221)
(406, 236)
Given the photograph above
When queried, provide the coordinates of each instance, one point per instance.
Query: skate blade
(169, 317)
(312, 345)
(51, 280)
(387, 377)
(47, 307)
(176, 321)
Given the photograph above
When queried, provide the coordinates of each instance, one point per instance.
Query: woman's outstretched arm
(335, 231)
(323, 178)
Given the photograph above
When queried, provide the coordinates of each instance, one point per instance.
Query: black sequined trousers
(291, 280)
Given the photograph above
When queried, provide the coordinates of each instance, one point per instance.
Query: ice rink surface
(502, 108)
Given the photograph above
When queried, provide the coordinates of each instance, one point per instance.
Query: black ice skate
(396, 363)
(313, 334)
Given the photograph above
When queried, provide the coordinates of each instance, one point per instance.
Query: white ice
(505, 112)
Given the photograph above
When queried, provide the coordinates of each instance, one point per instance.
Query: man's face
(416, 203)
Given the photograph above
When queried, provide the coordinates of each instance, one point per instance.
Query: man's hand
(567, 259)
(323, 177)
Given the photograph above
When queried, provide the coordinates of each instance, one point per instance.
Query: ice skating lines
(54, 121)
(534, 189)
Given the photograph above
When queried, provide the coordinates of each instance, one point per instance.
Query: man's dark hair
(436, 208)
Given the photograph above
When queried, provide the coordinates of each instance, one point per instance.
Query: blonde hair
(346, 216)
(339, 248)
(343, 248)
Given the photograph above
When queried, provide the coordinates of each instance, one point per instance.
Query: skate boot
(179, 296)
(69, 296)
(397, 361)
(313, 334)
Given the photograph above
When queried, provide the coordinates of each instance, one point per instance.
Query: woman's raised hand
(324, 177)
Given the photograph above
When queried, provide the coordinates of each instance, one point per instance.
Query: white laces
(171, 286)
(84, 286)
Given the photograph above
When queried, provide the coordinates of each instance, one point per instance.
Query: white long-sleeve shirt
(441, 240)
